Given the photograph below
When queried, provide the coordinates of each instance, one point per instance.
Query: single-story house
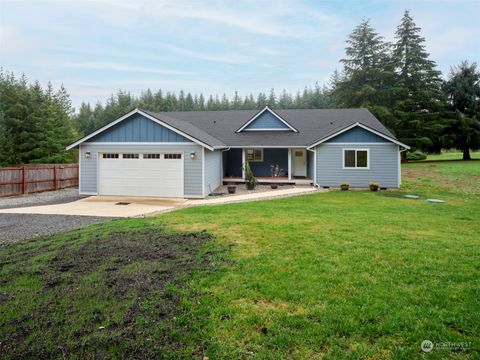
(190, 154)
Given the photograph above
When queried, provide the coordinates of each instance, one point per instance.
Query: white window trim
(355, 168)
(246, 154)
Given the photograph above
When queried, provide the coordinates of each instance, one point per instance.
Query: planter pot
(232, 189)
(250, 185)
(373, 188)
(274, 186)
(344, 187)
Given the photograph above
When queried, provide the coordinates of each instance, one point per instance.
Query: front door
(299, 162)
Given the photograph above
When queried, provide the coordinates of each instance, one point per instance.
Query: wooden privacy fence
(26, 179)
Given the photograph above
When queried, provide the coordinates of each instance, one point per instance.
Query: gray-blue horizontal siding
(266, 121)
(138, 128)
(383, 166)
(192, 168)
(213, 168)
(310, 163)
(271, 157)
(357, 134)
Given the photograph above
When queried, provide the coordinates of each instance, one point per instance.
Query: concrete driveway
(104, 206)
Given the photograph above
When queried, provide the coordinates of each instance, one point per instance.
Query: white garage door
(141, 174)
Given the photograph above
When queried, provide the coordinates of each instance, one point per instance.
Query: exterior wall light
(88, 154)
(193, 156)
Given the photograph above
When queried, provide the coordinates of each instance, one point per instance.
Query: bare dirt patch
(114, 295)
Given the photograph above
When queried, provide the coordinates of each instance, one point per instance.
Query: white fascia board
(363, 127)
(266, 108)
(268, 147)
(140, 143)
(137, 111)
(267, 129)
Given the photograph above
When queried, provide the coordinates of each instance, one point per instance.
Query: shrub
(344, 185)
(374, 186)
(250, 179)
(416, 155)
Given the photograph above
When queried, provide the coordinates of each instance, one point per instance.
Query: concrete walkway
(281, 193)
(108, 206)
(105, 206)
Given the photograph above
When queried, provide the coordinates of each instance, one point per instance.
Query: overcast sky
(97, 47)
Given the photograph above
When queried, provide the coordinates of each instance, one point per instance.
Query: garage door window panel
(131, 156)
(110, 156)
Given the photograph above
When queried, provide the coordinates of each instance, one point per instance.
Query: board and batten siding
(138, 128)
(88, 184)
(383, 165)
(213, 170)
(266, 121)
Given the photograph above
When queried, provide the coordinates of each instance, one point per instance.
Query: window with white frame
(110, 156)
(254, 155)
(355, 159)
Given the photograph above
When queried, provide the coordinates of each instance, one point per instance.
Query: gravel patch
(242, 189)
(42, 198)
(19, 227)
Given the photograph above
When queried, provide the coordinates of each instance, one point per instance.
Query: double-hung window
(356, 159)
(254, 155)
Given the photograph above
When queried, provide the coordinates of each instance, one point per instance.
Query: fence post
(54, 177)
(24, 187)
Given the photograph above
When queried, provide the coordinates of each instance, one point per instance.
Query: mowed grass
(332, 275)
(349, 274)
(451, 155)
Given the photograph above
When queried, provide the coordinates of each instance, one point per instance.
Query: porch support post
(243, 163)
(289, 163)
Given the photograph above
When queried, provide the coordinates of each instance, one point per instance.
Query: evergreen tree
(364, 69)
(463, 93)
(419, 102)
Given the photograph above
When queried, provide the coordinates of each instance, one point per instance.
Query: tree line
(397, 81)
(36, 124)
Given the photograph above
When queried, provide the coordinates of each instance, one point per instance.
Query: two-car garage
(141, 174)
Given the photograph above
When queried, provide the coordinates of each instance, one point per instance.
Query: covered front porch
(295, 165)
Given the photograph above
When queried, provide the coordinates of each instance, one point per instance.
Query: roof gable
(343, 130)
(266, 120)
(177, 126)
(138, 128)
(357, 134)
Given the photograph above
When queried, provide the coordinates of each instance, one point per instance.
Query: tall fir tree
(463, 93)
(365, 79)
(419, 101)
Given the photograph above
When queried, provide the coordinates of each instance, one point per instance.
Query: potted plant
(250, 179)
(275, 171)
(231, 188)
(374, 186)
(344, 185)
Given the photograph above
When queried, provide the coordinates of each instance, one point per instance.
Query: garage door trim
(179, 191)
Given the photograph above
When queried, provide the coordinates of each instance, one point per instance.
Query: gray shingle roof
(218, 128)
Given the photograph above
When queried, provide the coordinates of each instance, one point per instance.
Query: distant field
(451, 155)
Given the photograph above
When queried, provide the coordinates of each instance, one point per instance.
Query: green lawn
(332, 275)
(451, 155)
